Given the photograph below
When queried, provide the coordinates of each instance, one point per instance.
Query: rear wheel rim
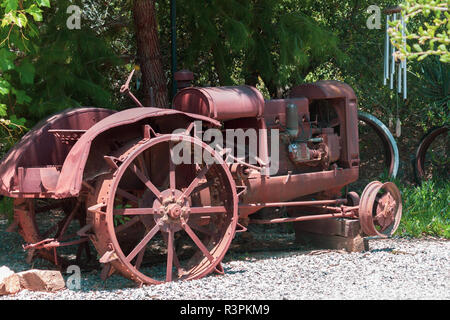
(170, 215)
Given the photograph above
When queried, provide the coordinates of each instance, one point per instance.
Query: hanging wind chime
(392, 77)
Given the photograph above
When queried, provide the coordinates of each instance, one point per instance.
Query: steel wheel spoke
(127, 195)
(196, 181)
(176, 262)
(208, 210)
(202, 186)
(127, 224)
(139, 259)
(172, 167)
(198, 242)
(201, 229)
(145, 180)
(133, 211)
(141, 161)
(170, 254)
(143, 243)
(69, 219)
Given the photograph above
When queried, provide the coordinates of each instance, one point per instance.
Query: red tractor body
(115, 172)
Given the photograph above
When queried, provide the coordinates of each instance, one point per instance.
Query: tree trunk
(153, 76)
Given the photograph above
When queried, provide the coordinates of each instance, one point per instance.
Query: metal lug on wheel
(107, 271)
(219, 269)
(108, 257)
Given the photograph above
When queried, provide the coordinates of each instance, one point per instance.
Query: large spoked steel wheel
(156, 219)
(380, 209)
(431, 158)
(49, 229)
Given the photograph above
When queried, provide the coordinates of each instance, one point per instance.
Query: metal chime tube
(404, 60)
(400, 66)
(399, 77)
(386, 53)
(389, 65)
(392, 75)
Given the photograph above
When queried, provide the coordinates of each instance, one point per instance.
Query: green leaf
(422, 57)
(17, 121)
(21, 96)
(6, 59)
(4, 87)
(11, 5)
(35, 11)
(22, 20)
(43, 3)
(442, 48)
(417, 47)
(3, 108)
(8, 19)
(26, 72)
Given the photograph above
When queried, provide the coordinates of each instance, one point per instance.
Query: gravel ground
(396, 268)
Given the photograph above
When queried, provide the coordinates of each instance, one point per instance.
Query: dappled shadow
(381, 250)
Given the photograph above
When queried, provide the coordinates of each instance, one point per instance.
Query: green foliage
(425, 210)
(17, 29)
(431, 81)
(46, 67)
(235, 42)
(7, 208)
(361, 66)
(431, 36)
(425, 207)
(119, 220)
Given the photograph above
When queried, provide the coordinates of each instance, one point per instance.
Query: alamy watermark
(74, 280)
(238, 145)
(73, 22)
(374, 20)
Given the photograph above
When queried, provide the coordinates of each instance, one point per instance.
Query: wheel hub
(385, 211)
(171, 210)
(174, 211)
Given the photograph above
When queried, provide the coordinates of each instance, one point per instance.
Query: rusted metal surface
(70, 181)
(221, 103)
(167, 208)
(380, 213)
(41, 149)
(126, 89)
(183, 78)
(153, 220)
(65, 213)
(341, 98)
(392, 10)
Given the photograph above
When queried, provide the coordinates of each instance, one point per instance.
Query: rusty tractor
(92, 175)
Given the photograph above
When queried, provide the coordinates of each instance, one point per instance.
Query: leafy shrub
(426, 210)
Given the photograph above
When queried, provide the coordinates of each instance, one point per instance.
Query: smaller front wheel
(380, 209)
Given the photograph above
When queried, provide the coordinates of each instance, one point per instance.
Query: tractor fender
(40, 148)
(117, 125)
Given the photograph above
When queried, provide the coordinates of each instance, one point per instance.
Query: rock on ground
(41, 280)
(9, 281)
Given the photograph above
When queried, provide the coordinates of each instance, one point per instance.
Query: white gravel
(391, 269)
